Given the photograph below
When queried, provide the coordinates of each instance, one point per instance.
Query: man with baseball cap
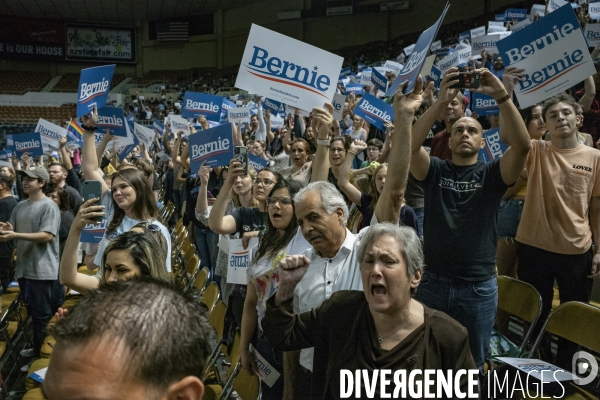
(34, 225)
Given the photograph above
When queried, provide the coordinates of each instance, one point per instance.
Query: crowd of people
(353, 269)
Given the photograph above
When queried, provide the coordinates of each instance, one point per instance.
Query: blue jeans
(420, 212)
(275, 358)
(472, 304)
(37, 296)
(206, 250)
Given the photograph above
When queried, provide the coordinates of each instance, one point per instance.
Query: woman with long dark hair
(282, 237)
(60, 197)
(126, 203)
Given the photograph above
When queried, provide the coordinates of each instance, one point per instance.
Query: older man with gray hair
(322, 214)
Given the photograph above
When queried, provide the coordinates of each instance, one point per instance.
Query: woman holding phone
(126, 203)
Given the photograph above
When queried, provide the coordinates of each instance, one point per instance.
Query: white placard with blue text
(554, 5)
(239, 260)
(215, 146)
(196, 104)
(594, 10)
(144, 135)
(238, 115)
(592, 34)
(94, 85)
(28, 143)
(374, 111)
(268, 373)
(553, 54)
(288, 70)
(50, 133)
(356, 88)
(179, 124)
(338, 106)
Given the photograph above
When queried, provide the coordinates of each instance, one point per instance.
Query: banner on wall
(32, 38)
(89, 43)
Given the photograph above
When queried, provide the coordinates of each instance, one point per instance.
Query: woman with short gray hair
(380, 327)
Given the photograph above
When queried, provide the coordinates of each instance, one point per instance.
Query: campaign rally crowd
(371, 231)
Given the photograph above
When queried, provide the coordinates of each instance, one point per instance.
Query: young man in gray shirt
(34, 225)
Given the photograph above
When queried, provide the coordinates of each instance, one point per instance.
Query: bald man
(462, 198)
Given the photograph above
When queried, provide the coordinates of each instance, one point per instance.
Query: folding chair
(520, 299)
(246, 386)
(216, 319)
(223, 390)
(192, 268)
(579, 323)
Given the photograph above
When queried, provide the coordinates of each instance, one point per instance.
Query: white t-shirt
(126, 224)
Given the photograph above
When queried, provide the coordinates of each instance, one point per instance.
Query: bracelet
(89, 128)
(352, 152)
(502, 99)
(323, 142)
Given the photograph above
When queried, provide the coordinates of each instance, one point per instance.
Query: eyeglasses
(264, 182)
(283, 201)
(337, 150)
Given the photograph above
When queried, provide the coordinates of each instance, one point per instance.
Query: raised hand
(446, 94)
(357, 146)
(235, 170)
(62, 142)
(291, 271)
(322, 120)
(510, 77)
(489, 84)
(86, 212)
(411, 102)
(90, 119)
(204, 173)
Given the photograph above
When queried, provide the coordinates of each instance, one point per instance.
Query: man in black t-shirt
(462, 197)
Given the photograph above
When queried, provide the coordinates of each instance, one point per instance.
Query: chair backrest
(216, 318)
(210, 295)
(575, 321)
(192, 264)
(246, 386)
(520, 299)
(201, 279)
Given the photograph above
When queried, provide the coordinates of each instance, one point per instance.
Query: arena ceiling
(122, 11)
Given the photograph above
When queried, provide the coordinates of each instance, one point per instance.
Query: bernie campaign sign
(338, 106)
(258, 163)
(436, 75)
(594, 10)
(112, 118)
(554, 5)
(451, 60)
(375, 111)
(196, 104)
(272, 105)
(28, 143)
(378, 80)
(356, 88)
(553, 53)
(413, 65)
(143, 135)
(94, 84)
(158, 126)
(238, 115)
(93, 233)
(179, 124)
(477, 32)
(494, 147)
(10, 144)
(484, 105)
(592, 34)
(516, 14)
(50, 133)
(294, 72)
(215, 146)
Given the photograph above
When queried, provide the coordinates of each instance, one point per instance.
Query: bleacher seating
(22, 114)
(68, 82)
(20, 82)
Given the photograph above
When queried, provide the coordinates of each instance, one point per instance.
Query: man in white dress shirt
(322, 215)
